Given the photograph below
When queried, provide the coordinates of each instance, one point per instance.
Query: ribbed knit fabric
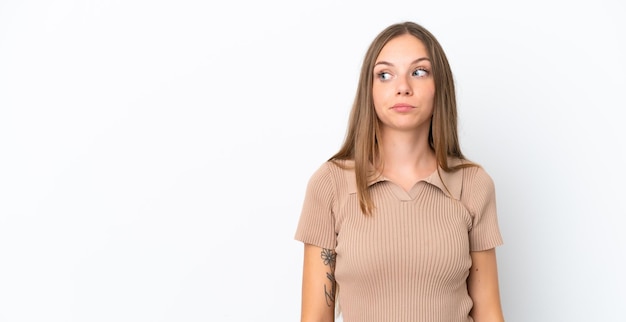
(410, 259)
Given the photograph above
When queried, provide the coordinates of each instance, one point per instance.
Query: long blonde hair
(363, 134)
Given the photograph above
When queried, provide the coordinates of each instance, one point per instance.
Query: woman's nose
(404, 88)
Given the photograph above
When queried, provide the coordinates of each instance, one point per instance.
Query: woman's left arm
(483, 288)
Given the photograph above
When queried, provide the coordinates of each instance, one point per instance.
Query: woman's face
(403, 88)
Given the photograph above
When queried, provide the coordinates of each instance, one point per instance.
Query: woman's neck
(407, 154)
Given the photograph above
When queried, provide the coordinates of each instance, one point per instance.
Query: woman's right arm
(318, 284)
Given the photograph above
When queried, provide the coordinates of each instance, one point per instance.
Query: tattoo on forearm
(329, 257)
(330, 296)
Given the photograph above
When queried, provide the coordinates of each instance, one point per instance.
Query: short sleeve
(317, 222)
(481, 198)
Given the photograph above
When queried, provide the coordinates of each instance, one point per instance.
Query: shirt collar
(450, 183)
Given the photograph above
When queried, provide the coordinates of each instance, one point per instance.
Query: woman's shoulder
(472, 174)
(470, 168)
(336, 167)
(334, 174)
(476, 171)
(333, 169)
(477, 181)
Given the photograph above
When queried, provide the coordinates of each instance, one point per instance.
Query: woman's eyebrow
(382, 62)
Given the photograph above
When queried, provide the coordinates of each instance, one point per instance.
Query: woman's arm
(318, 284)
(483, 288)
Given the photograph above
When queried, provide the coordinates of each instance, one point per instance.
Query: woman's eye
(384, 76)
(420, 72)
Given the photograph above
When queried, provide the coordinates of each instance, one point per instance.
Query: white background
(154, 154)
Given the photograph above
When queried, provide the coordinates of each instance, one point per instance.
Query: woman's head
(403, 89)
(443, 133)
(363, 135)
(363, 131)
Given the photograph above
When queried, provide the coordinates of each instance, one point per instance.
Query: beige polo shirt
(410, 259)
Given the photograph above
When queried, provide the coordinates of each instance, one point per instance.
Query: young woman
(398, 225)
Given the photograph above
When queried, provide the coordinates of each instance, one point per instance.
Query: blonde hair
(363, 134)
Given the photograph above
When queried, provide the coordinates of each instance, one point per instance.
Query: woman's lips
(401, 107)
